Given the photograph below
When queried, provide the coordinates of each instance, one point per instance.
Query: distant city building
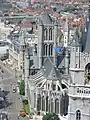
(53, 54)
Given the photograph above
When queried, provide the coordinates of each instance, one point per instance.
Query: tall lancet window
(45, 50)
(50, 50)
(50, 34)
(45, 34)
(78, 115)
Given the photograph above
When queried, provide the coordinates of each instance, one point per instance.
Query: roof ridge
(50, 61)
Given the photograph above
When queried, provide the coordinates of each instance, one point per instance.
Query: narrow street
(14, 104)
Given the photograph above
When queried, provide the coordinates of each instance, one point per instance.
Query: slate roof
(47, 72)
(45, 18)
(50, 71)
(61, 62)
(75, 43)
(2, 94)
(36, 78)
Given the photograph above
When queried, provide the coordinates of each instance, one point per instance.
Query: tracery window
(50, 34)
(78, 115)
(50, 49)
(45, 50)
(45, 34)
(87, 73)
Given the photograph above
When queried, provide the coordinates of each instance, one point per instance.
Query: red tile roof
(26, 24)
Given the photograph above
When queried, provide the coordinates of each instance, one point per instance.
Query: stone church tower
(47, 32)
(79, 88)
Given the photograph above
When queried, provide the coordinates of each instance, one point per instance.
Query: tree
(50, 116)
(22, 88)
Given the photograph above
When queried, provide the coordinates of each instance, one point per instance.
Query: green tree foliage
(22, 87)
(50, 116)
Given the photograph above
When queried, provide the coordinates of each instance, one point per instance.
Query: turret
(66, 34)
(75, 53)
(40, 38)
(55, 37)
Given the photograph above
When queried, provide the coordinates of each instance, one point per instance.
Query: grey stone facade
(79, 88)
(46, 87)
(47, 92)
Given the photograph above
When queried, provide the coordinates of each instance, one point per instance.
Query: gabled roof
(49, 70)
(54, 74)
(75, 43)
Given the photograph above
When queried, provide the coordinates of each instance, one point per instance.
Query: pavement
(13, 100)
